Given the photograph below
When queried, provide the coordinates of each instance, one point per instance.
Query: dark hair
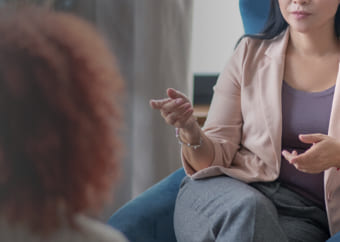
(60, 118)
(276, 24)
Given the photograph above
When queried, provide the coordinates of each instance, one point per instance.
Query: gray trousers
(224, 209)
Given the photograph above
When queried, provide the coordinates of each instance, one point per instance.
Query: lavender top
(303, 113)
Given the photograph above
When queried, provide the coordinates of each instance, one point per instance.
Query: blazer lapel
(331, 175)
(334, 127)
(270, 77)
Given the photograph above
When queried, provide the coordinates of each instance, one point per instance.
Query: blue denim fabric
(149, 217)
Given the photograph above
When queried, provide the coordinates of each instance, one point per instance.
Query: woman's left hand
(323, 154)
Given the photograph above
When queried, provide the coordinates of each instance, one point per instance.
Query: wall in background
(217, 25)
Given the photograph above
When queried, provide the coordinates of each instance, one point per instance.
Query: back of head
(59, 119)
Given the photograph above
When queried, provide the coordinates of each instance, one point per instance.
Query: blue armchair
(149, 217)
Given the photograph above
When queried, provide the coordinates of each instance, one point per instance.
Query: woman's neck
(319, 43)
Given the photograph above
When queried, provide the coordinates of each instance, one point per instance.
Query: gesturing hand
(323, 154)
(176, 109)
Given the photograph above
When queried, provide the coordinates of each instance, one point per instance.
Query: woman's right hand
(176, 109)
(178, 112)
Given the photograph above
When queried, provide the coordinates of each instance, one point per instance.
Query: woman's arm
(178, 112)
(200, 157)
(222, 132)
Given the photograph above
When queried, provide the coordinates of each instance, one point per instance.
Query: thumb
(173, 94)
(158, 104)
(311, 138)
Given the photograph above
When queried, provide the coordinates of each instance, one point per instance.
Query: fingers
(290, 156)
(176, 109)
(311, 138)
(172, 93)
(180, 118)
(301, 161)
(158, 104)
(177, 113)
(175, 105)
(306, 158)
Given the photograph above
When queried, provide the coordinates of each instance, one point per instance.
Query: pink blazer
(245, 120)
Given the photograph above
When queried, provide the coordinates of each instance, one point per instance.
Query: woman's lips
(300, 14)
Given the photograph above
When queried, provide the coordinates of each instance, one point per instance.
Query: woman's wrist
(190, 135)
(194, 145)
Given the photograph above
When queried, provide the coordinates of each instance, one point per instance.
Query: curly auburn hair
(59, 117)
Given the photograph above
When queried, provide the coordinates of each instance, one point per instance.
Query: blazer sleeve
(224, 122)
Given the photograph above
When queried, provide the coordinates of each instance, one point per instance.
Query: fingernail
(179, 100)
(188, 110)
(187, 105)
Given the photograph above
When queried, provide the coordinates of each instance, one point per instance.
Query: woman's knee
(217, 203)
(220, 197)
(222, 189)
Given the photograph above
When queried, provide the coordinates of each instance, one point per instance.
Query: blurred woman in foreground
(59, 89)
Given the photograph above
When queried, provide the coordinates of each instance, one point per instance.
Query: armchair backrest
(254, 14)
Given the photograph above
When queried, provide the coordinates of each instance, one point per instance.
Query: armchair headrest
(254, 14)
